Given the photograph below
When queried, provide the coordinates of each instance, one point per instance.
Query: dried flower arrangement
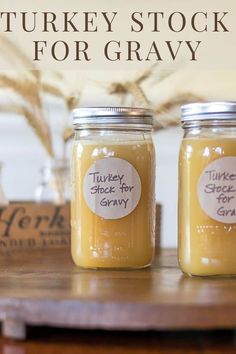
(30, 86)
(166, 113)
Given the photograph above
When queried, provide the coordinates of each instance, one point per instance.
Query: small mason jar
(207, 189)
(113, 188)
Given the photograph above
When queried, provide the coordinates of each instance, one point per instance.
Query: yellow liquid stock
(126, 242)
(206, 246)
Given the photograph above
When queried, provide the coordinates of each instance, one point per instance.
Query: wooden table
(45, 288)
(55, 341)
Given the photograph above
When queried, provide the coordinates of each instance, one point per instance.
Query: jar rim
(209, 111)
(113, 116)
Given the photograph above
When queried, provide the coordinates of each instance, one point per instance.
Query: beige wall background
(217, 49)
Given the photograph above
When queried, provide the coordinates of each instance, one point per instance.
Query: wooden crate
(29, 225)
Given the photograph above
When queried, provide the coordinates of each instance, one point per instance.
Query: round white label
(217, 190)
(112, 188)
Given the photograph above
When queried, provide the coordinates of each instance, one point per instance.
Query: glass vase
(54, 185)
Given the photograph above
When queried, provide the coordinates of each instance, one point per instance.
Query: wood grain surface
(45, 288)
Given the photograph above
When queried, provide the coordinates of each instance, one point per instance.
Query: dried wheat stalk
(145, 75)
(33, 121)
(53, 90)
(139, 95)
(27, 89)
(166, 109)
(15, 55)
(134, 87)
(67, 134)
(178, 100)
(72, 102)
(163, 117)
(129, 88)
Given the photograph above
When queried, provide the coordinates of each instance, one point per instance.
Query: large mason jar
(207, 189)
(113, 188)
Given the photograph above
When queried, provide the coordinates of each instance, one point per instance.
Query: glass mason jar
(207, 189)
(54, 184)
(113, 188)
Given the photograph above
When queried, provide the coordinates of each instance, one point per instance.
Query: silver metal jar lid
(113, 115)
(221, 110)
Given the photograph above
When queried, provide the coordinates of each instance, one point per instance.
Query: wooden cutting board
(45, 288)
